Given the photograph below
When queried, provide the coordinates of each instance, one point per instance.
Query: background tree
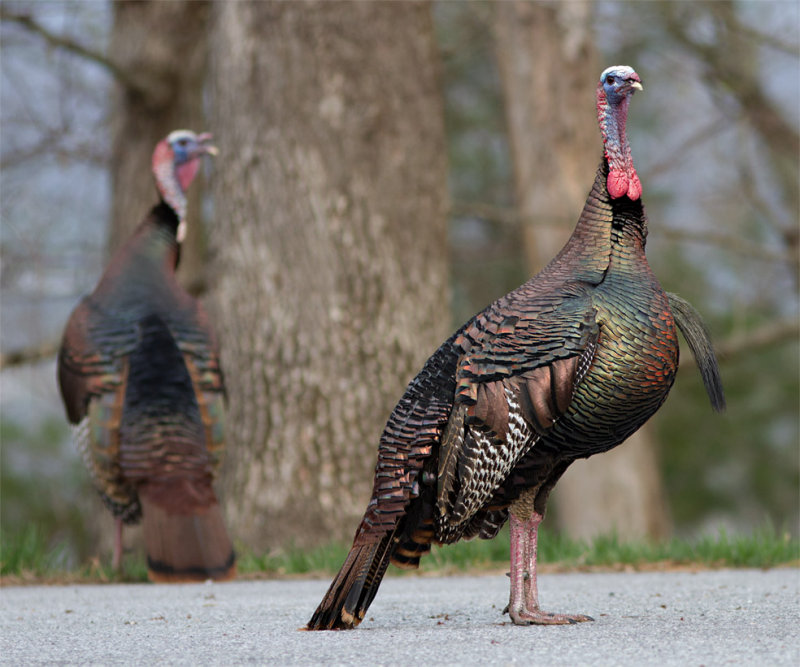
(731, 166)
(330, 227)
(163, 48)
(56, 80)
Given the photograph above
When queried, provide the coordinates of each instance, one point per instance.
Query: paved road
(739, 617)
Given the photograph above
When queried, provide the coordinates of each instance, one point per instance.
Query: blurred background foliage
(716, 145)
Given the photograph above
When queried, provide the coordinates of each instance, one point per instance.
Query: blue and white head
(619, 82)
(176, 160)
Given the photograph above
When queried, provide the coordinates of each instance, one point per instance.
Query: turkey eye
(183, 142)
(610, 79)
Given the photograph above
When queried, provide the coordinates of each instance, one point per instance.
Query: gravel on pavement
(730, 617)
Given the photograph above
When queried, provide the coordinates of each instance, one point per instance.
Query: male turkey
(567, 365)
(140, 378)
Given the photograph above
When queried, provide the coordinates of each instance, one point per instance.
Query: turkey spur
(140, 377)
(567, 365)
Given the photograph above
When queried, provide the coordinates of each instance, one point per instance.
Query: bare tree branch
(767, 335)
(764, 336)
(727, 77)
(765, 39)
(29, 355)
(730, 243)
(678, 154)
(501, 215)
(67, 44)
(52, 143)
(41, 147)
(743, 85)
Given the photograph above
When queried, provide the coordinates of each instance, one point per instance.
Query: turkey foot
(539, 617)
(523, 606)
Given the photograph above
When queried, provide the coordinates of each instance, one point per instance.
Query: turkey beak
(636, 85)
(210, 149)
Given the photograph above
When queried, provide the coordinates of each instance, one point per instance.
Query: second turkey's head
(176, 160)
(614, 91)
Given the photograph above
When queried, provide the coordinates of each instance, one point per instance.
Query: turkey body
(566, 366)
(139, 373)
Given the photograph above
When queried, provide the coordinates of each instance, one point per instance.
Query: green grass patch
(293, 561)
(763, 549)
(28, 558)
(27, 553)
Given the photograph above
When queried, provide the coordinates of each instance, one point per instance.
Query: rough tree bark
(329, 232)
(549, 69)
(163, 46)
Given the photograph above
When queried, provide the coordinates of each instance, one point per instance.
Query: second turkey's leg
(116, 561)
(523, 606)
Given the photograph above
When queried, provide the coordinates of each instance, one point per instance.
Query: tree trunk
(330, 240)
(549, 69)
(164, 46)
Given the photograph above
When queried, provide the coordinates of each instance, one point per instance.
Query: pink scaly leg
(532, 549)
(116, 561)
(523, 606)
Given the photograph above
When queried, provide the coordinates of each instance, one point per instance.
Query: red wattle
(634, 187)
(186, 173)
(617, 183)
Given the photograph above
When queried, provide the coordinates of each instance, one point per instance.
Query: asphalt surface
(738, 617)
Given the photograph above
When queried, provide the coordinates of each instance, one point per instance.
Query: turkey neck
(172, 181)
(606, 228)
(622, 180)
(612, 121)
(145, 265)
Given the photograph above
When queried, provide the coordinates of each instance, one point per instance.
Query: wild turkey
(567, 365)
(141, 382)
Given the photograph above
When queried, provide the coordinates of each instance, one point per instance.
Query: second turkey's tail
(185, 543)
(354, 588)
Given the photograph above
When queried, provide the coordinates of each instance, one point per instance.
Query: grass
(293, 561)
(27, 557)
(763, 549)
(29, 552)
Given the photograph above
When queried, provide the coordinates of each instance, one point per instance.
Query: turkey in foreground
(567, 365)
(141, 382)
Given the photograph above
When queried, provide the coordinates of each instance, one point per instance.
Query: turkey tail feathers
(188, 546)
(694, 331)
(354, 588)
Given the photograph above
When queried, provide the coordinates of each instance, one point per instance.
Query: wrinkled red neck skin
(186, 173)
(621, 183)
(622, 177)
(172, 181)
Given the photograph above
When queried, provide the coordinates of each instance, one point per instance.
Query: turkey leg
(523, 605)
(116, 561)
